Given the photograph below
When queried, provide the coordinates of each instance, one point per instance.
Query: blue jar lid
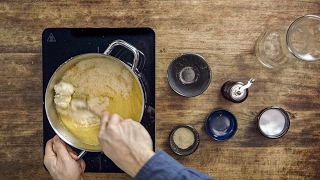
(221, 125)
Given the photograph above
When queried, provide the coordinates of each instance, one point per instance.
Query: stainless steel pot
(51, 112)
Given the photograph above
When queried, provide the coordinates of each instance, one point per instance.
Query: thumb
(82, 165)
(60, 148)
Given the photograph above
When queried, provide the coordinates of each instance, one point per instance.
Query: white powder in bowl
(272, 122)
(183, 138)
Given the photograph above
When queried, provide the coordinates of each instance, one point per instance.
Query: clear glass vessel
(281, 46)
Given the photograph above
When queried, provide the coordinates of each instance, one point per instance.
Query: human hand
(61, 161)
(126, 142)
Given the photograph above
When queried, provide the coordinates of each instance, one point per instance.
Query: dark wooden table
(223, 32)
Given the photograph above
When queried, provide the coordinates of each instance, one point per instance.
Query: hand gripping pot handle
(135, 52)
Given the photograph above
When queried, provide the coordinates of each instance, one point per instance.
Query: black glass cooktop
(61, 44)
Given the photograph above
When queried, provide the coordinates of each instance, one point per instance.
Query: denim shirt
(163, 167)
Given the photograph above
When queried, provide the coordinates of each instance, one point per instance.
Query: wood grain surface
(222, 31)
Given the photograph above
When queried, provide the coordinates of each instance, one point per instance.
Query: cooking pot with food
(108, 85)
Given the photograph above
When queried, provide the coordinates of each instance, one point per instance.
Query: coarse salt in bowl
(184, 140)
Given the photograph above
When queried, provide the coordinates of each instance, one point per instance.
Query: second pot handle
(128, 46)
(81, 154)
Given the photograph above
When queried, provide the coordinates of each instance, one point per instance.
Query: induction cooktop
(61, 44)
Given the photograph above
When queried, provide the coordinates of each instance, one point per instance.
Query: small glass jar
(273, 122)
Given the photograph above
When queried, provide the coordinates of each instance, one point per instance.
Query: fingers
(115, 119)
(69, 149)
(49, 155)
(71, 152)
(108, 125)
(104, 122)
(82, 165)
(49, 148)
(73, 155)
(109, 120)
(60, 148)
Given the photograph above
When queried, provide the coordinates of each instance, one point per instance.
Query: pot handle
(135, 52)
(81, 154)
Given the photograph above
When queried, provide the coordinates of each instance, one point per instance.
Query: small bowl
(189, 75)
(221, 125)
(273, 122)
(187, 150)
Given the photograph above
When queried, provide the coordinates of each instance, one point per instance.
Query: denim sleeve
(163, 167)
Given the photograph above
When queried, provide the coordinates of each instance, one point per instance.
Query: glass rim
(288, 34)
